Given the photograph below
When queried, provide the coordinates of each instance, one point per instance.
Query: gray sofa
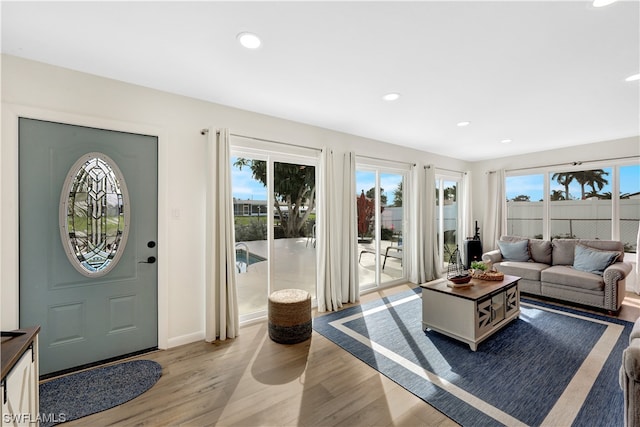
(630, 378)
(565, 269)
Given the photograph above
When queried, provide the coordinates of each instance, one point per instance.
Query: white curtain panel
(349, 235)
(419, 223)
(336, 236)
(409, 225)
(432, 271)
(327, 239)
(465, 221)
(222, 318)
(425, 260)
(494, 212)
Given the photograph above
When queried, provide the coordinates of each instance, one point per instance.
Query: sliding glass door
(252, 224)
(381, 219)
(274, 208)
(447, 217)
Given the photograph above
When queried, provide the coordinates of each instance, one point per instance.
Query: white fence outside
(587, 219)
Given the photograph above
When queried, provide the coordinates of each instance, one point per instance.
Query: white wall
(35, 89)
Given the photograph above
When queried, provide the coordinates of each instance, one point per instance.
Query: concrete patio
(294, 266)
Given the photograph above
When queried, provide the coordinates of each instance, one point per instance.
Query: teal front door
(88, 242)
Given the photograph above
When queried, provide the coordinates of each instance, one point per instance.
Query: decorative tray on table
(488, 275)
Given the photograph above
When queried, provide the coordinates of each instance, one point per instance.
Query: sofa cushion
(569, 276)
(593, 260)
(525, 270)
(514, 251)
(540, 250)
(563, 251)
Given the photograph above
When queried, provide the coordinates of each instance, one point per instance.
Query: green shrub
(386, 234)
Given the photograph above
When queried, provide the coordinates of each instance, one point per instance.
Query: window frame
(546, 171)
(378, 167)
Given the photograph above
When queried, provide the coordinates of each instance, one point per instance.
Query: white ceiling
(543, 74)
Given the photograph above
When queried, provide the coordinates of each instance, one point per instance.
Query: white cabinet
(19, 386)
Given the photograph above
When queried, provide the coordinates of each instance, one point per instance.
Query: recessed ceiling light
(632, 78)
(463, 124)
(249, 40)
(602, 3)
(505, 141)
(391, 96)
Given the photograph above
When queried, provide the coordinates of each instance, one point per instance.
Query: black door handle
(149, 260)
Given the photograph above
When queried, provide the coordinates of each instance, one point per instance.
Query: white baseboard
(185, 339)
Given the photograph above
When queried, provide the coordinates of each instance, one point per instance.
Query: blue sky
(532, 185)
(247, 188)
(366, 180)
(244, 186)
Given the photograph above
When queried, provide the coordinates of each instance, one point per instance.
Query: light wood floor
(252, 381)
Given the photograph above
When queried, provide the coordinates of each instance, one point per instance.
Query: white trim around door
(9, 216)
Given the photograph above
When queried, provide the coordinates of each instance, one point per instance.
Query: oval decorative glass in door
(94, 215)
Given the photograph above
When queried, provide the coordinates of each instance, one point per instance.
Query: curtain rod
(205, 131)
(578, 163)
(446, 170)
(384, 160)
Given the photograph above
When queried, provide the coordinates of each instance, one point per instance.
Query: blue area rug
(551, 366)
(84, 393)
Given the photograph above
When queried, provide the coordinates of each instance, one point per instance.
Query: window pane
(250, 219)
(580, 204)
(294, 256)
(629, 206)
(450, 217)
(446, 218)
(367, 244)
(380, 226)
(94, 232)
(391, 237)
(524, 205)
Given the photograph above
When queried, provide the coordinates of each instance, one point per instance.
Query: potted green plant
(478, 265)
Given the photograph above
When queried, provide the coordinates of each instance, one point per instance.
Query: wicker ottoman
(290, 316)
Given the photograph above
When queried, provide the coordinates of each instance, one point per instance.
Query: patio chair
(392, 247)
(312, 237)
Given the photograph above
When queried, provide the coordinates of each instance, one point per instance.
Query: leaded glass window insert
(94, 215)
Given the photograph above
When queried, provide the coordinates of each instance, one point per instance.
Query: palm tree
(557, 195)
(593, 178)
(564, 178)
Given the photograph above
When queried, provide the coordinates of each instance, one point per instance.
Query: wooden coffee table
(473, 313)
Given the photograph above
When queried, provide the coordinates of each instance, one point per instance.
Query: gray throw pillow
(593, 260)
(563, 251)
(514, 251)
(540, 250)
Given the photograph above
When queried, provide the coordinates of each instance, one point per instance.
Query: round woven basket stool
(290, 316)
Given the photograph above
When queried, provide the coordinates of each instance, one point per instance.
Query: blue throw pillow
(514, 251)
(593, 260)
